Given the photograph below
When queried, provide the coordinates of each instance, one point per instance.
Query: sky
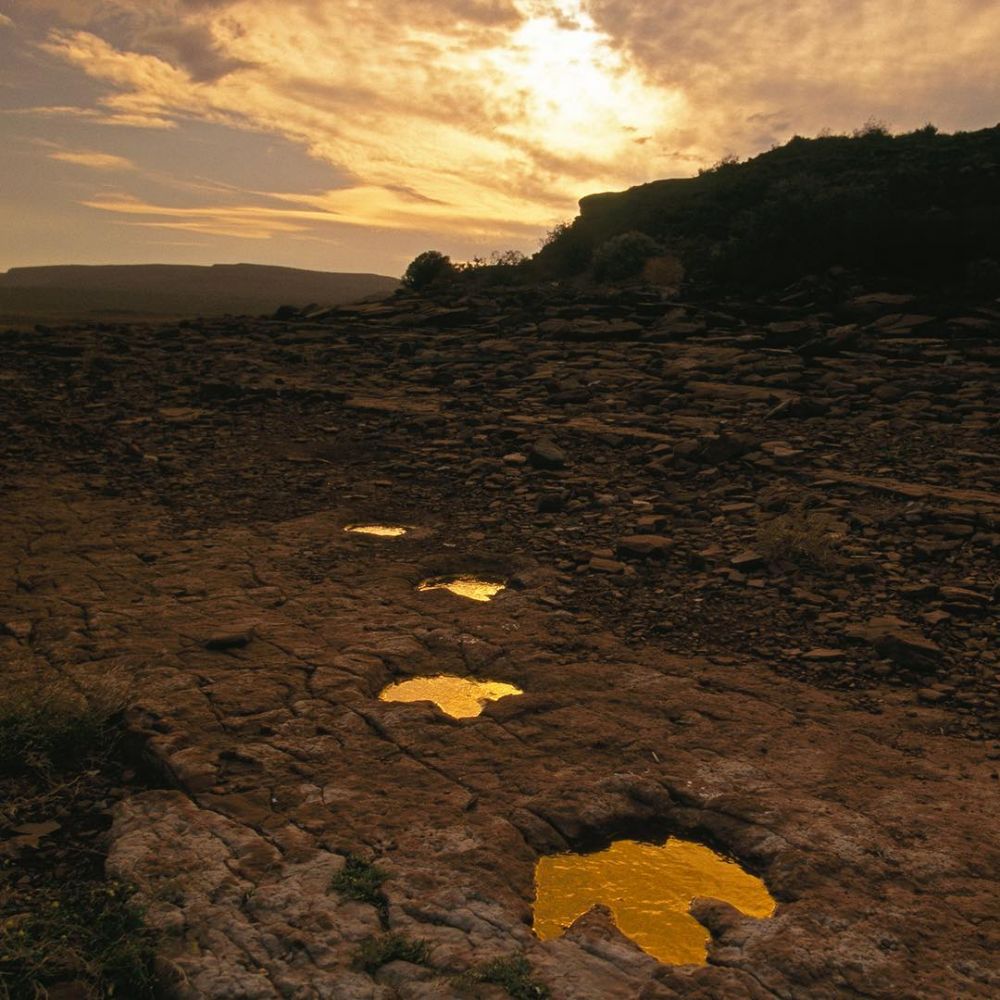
(350, 135)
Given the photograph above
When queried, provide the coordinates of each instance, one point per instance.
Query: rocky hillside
(922, 205)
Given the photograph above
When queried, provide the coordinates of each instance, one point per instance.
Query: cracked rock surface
(174, 503)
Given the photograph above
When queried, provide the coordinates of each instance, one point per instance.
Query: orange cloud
(483, 108)
(95, 161)
(357, 206)
(755, 73)
(491, 117)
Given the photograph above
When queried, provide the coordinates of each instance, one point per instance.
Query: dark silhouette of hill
(161, 291)
(920, 206)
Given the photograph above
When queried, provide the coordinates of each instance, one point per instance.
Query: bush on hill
(502, 267)
(428, 268)
(623, 256)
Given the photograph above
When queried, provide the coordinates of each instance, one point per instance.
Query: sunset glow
(352, 135)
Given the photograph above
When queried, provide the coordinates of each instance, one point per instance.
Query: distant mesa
(146, 292)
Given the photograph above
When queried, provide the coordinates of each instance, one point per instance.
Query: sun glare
(576, 94)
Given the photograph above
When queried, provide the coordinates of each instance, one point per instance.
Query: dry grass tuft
(808, 538)
(48, 724)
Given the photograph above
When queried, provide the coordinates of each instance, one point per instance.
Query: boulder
(645, 546)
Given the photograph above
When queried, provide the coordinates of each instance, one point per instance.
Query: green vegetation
(502, 267)
(48, 725)
(921, 205)
(374, 952)
(362, 881)
(78, 928)
(88, 934)
(513, 973)
(427, 269)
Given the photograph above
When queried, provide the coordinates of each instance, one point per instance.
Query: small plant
(362, 881)
(91, 935)
(800, 536)
(513, 973)
(873, 128)
(623, 256)
(725, 163)
(374, 952)
(426, 269)
(48, 725)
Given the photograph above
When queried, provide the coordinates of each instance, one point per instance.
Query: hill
(164, 291)
(922, 205)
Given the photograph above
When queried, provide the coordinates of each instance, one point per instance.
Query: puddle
(381, 530)
(459, 697)
(648, 888)
(465, 586)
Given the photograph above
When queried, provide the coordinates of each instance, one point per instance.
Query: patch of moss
(363, 881)
(375, 952)
(512, 972)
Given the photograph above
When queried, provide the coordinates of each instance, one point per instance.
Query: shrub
(623, 256)
(502, 267)
(725, 163)
(873, 128)
(666, 271)
(565, 250)
(426, 269)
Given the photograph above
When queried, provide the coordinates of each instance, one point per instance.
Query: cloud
(753, 73)
(245, 221)
(196, 50)
(491, 117)
(502, 109)
(95, 161)
(94, 115)
(356, 206)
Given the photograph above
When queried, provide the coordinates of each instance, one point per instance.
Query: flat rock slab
(281, 760)
(683, 671)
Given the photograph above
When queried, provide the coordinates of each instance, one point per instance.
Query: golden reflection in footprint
(465, 586)
(459, 697)
(381, 530)
(648, 888)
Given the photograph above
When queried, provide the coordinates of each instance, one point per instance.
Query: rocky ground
(752, 560)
